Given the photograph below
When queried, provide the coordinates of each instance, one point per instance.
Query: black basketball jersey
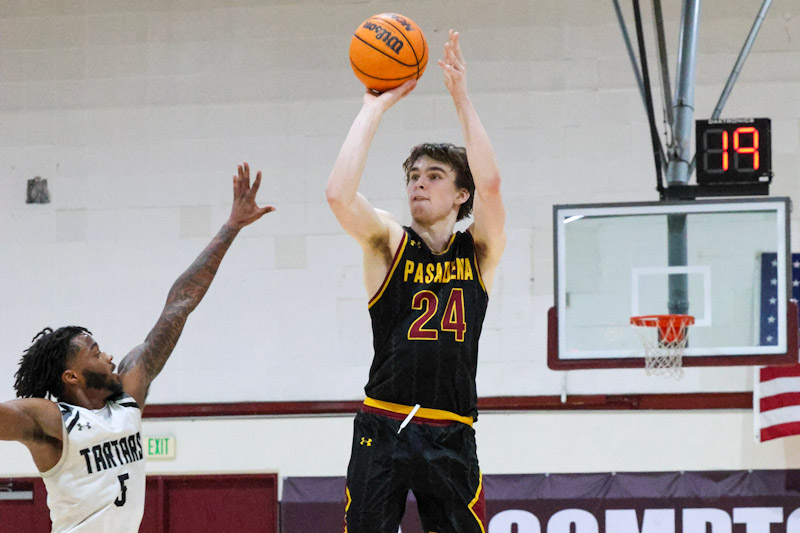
(426, 321)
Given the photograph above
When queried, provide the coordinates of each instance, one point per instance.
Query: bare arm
(488, 227)
(357, 217)
(144, 363)
(36, 423)
(29, 419)
(376, 231)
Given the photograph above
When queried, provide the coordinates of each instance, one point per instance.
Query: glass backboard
(727, 263)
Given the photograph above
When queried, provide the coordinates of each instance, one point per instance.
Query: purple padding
(311, 504)
(711, 484)
(762, 500)
(313, 489)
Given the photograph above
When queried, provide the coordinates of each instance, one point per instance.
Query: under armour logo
(414, 243)
(87, 425)
(366, 441)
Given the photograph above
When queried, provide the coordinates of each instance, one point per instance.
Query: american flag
(777, 391)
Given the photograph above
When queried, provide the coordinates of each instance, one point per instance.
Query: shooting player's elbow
(491, 185)
(338, 199)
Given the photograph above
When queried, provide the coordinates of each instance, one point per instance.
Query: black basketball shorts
(436, 459)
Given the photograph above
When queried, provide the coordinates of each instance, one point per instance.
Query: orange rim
(662, 321)
(671, 328)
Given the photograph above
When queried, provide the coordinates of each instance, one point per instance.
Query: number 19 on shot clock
(733, 151)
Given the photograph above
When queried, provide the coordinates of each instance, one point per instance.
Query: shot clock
(731, 151)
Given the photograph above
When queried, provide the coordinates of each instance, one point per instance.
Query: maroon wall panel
(153, 519)
(221, 503)
(23, 506)
(173, 504)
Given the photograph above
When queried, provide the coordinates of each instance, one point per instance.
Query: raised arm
(143, 363)
(488, 227)
(357, 217)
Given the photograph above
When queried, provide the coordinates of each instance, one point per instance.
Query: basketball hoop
(664, 339)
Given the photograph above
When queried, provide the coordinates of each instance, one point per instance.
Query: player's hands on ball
(387, 99)
(454, 67)
(245, 210)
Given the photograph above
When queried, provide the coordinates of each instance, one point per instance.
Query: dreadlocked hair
(41, 365)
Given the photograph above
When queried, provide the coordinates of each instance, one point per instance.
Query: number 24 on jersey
(452, 320)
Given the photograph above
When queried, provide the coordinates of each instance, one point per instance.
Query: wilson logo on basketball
(403, 22)
(382, 34)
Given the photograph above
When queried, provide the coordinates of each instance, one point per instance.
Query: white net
(664, 339)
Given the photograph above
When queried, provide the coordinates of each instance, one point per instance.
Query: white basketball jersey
(99, 483)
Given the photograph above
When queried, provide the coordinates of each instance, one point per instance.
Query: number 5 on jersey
(120, 501)
(452, 320)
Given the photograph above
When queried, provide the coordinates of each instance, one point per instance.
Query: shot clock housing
(733, 151)
(733, 157)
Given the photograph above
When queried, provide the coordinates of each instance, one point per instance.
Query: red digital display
(752, 149)
(731, 151)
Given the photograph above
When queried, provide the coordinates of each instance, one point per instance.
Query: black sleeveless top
(426, 321)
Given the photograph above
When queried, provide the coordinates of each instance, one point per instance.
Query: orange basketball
(386, 50)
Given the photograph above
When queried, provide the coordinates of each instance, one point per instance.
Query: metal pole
(678, 284)
(658, 152)
(629, 48)
(678, 166)
(643, 91)
(737, 68)
(666, 89)
(683, 105)
(748, 44)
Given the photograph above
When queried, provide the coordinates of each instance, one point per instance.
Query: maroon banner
(764, 501)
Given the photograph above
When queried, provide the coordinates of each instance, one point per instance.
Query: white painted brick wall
(137, 113)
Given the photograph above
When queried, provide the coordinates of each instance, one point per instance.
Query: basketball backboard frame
(563, 355)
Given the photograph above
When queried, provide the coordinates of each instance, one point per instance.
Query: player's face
(95, 366)
(432, 191)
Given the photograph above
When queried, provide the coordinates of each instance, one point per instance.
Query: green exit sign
(159, 447)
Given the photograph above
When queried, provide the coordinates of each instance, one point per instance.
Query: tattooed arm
(143, 363)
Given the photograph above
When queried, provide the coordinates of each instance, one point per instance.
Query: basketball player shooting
(428, 289)
(88, 446)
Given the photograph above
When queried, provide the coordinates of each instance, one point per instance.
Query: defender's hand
(245, 210)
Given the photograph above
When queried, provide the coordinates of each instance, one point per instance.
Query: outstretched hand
(454, 67)
(387, 99)
(245, 210)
